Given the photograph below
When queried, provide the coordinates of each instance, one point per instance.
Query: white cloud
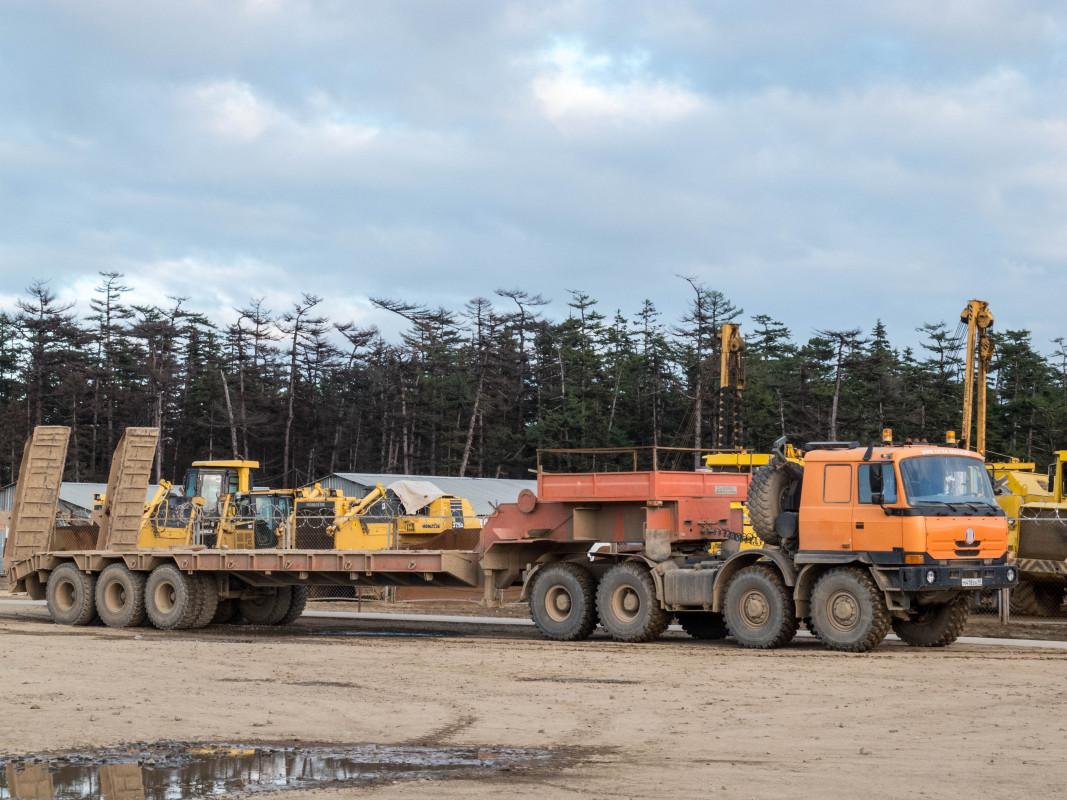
(576, 87)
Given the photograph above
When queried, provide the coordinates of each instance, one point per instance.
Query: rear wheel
(1031, 599)
(296, 605)
(628, 606)
(171, 598)
(70, 595)
(933, 626)
(266, 607)
(120, 597)
(562, 602)
(759, 609)
(208, 596)
(848, 611)
(703, 624)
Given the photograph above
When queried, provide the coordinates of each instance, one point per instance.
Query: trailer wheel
(225, 612)
(563, 602)
(628, 606)
(208, 596)
(170, 598)
(764, 501)
(265, 607)
(120, 596)
(703, 624)
(296, 605)
(848, 611)
(1032, 599)
(759, 609)
(933, 626)
(70, 595)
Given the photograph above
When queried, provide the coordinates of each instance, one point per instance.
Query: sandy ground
(677, 718)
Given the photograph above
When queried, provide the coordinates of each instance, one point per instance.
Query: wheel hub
(755, 609)
(844, 611)
(558, 603)
(626, 603)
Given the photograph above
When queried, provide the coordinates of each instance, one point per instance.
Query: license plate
(972, 581)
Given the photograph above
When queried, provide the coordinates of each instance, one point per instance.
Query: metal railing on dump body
(624, 459)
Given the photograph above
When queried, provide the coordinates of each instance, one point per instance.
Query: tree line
(476, 391)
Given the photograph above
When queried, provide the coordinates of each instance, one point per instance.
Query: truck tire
(765, 501)
(563, 602)
(71, 595)
(296, 605)
(933, 626)
(628, 606)
(702, 624)
(848, 611)
(208, 595)
(266, 608)
(225, 612)
(1033, 599)
(758, 608)
(171, 598)
(120, 596)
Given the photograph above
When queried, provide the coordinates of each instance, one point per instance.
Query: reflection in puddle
(171, 772)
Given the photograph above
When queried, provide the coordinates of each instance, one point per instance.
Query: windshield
(946, 480)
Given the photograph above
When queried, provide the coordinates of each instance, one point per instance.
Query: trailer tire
(563, 602)
(120, 596)
(225, 612)
(628, 606)
(848, 610)
(759, 609)
(934, 626)
(208, 595)
(1033, 599)
(705, 625)
(296, 605)
(764, 501)
(170, 598)
(71, 596)
(266, 608)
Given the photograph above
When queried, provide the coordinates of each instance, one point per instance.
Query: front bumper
(959, 576)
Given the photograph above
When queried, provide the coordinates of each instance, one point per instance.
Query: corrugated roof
(484, 493)
(80, 495)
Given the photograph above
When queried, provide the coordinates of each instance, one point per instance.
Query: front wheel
(933, 626)
(628, 606)
(759, 609)
(848, 611)
(562, 602)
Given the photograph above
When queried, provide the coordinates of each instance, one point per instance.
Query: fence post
(1005, 606)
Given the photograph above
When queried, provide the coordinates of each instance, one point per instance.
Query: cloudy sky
(825, 163)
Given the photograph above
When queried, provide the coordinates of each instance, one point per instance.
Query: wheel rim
(755, 610)
(65, 594)
(114, 596)
(843, 611)
(558, 603)
(626, 603)
(165, 597)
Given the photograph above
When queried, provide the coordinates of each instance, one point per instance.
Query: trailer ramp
(127, 485)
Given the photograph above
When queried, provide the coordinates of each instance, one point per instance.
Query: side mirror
(878, 498)
(875, 479)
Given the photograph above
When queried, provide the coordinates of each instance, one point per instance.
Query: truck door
(826, 510)
(872, 529)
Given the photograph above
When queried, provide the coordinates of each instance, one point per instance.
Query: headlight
(931, 576)
(1011, 575)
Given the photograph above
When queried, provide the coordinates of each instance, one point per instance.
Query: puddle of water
(377, 634)
(173, 772)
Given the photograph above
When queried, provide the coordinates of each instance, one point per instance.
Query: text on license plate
(972, 581)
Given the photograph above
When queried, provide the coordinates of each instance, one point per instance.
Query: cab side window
(889, 483)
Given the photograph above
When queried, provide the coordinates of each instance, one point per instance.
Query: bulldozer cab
(213, 480)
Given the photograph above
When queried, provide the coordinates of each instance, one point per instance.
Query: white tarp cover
(415, 494)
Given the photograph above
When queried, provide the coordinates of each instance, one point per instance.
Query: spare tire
(765, 492)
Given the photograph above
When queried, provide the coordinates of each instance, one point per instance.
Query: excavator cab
(213, 480)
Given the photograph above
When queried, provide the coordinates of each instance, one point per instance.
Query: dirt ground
(676, 718)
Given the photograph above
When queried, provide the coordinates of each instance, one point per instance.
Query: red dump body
(620, 506)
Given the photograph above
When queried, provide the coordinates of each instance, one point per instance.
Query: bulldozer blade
(127, 487)
(1043, 536)
(33, 513)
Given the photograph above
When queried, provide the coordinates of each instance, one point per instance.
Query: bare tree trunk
(470, 427)
(229, 413)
